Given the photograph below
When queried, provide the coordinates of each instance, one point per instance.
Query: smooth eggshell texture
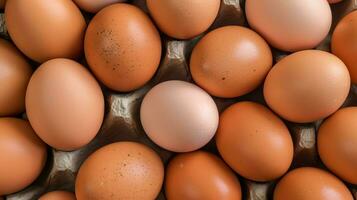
(307, 86)
(123, 170)
(344, 43)
(122, 47)
(44, 30)
(15, 73)
(64, 104)
(290, 25)
(309, 183)
(254, 141)
(230, 61)
(334, 1)
(58, 195)
(200, 175)
(183, 19)
(22, 155)
(179, 116)
(94, 6)
(337, 144)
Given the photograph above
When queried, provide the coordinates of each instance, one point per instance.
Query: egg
(15, 73)
(58, 195)
(122, 47)
(94, 6)
(337, 144)
(22, 155)
(344, 43)
(254, 142)
(334, 1)
(185, 178)
(64, 104)
(309, 183)
(183, 19)
(122, 170)
(230, 61)
(290, 25)
(307, 86)
(44, 30)
(179, 116)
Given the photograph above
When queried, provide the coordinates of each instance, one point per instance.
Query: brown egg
(337, 144)
(58, 195)
(307, 86)
(230, 61)
(309, 183)
(183, 19)
(95, 6)
(44, 30)
(122, 47)
(344, 43)
(122, 170)
(22, 155)
(254, 142)
(64, 104)
(15, 74)
(200, 175)
(290, 25)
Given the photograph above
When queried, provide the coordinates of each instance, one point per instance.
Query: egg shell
(230, 61)
(344, 43)
(259, 149)
(22, 155)
(122, 170)
(94, 6)
(309, 183)
(44, 30)
(185, 178)
(307, 86)
(64, 104)
(183, 19)
(179, 116)
(58, 195)
(15, 73)
(337, 144)
(122, 47)
(290, 25)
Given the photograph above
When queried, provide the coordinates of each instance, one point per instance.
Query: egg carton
(122, 122)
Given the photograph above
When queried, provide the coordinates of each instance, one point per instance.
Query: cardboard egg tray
(122, 122)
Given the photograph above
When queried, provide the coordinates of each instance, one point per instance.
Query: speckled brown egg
(15, 73)
(64, 104)
(309, 183)
(307, 86)
(122, 170)
(183, 19)
(230, 61)
(95, 6)
(22, 155)
(44, 30)
(122, 47)
(58, 195)
(254, 141)
(200, 175)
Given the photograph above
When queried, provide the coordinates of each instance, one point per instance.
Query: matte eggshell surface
(58, 195)
(64, 104)
(230, 61)
(94, 6)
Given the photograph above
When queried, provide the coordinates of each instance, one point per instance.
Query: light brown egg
(44, 30)
(290, 25)
(230, 61)
(309, 183)
(95, 6)
(254, 142)
(122, 47)
(58, 195)
(22, 155)
(200, 175)
(337, 144)
(307, 86)
(64, 104)
(122, 170)
(344, 43)
(15, 73)
(183, 19)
